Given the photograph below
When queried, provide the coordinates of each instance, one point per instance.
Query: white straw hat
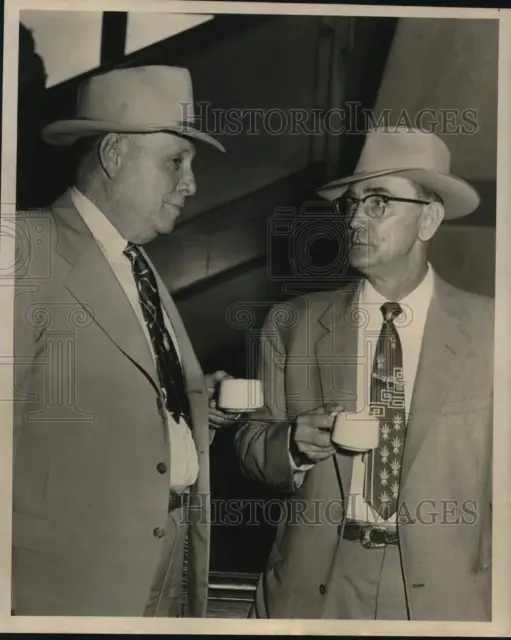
(413, 154)
(133, 100)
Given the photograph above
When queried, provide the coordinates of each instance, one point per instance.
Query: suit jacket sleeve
(263, 446)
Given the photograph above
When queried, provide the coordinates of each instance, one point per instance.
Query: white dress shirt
(410, 327)
(184, 463)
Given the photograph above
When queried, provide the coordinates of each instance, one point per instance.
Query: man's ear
(110, 153)
(431, 218)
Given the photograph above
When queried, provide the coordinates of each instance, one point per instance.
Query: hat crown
(403, 148)
(143, 95)
(413, 154)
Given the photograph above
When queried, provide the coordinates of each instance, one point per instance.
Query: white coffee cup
(240, 395)
(356, 431)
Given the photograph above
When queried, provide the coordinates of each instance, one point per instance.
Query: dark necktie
(383, 465)
(169, 369)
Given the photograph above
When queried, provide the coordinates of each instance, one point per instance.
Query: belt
(370, 536)
(177, 499)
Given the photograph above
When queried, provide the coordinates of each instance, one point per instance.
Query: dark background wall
(224, 253)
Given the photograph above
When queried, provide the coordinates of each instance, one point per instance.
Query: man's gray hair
(85, 154)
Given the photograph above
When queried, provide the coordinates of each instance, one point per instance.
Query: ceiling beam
(113, 35)
(175, 48)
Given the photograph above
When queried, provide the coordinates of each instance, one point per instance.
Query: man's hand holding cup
(217, 417)
(311, 435)
(318, 434)
(231, 398)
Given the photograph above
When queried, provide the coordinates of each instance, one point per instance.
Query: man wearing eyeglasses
(400, 530)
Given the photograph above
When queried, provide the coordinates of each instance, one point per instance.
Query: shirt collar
(417, 301)
(106, 235)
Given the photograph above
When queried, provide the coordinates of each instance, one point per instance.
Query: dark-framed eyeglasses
(375, 204)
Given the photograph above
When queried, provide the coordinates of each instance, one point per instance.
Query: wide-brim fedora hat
(410, 153)
(133, 100)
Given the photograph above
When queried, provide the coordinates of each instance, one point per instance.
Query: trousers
(165, 598)
(366, 584)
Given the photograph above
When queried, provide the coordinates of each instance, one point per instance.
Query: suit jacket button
(322, 589)
(158, 532)
(161, 467)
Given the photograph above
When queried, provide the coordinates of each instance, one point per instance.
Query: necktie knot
(139, 264)
(132, 251)
(391, 311)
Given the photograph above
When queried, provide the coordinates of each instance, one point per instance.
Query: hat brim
(66, 132)
(460, 198)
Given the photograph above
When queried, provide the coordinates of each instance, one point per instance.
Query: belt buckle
(367, 539)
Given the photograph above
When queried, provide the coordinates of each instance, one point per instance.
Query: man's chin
(366, 265)
(167, 222)
(362, 259)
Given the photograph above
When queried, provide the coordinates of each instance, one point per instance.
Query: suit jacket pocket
(28, 531)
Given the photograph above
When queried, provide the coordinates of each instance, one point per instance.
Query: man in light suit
(403, 530)
(112, 425)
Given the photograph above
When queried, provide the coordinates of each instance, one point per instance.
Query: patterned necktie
(168, 365)
(383, 465)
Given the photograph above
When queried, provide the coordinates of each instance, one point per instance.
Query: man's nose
(358, 218)
(188, 183)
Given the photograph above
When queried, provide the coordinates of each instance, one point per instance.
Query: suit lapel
(337, 358)
(93, 284)
(443, 347)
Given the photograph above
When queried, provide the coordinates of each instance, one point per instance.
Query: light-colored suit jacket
(91, 445)
(309, 356)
